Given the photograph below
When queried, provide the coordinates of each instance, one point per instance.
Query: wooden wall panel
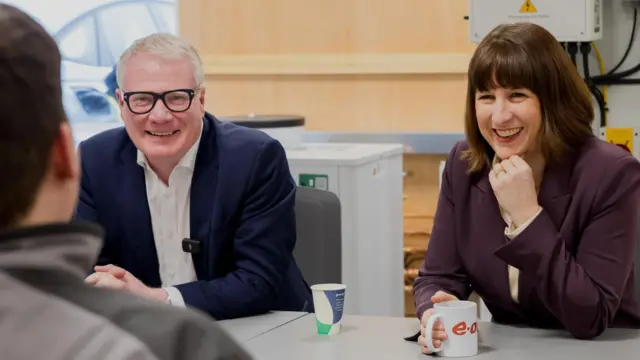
(421, 184)
(362, 38)
(419, 205)
(346, 103)
(326, 26)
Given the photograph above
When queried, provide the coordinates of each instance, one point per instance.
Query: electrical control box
(567, 20)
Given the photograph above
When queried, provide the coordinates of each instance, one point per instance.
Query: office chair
(318, 250)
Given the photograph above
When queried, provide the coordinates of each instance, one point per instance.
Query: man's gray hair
(167, 46)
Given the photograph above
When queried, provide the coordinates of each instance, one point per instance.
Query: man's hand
(115, 277)
(105, 280)
(513, 184)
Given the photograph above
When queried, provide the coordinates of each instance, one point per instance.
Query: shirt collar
(188, 160)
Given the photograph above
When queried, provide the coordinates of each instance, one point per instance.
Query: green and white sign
(318, 181)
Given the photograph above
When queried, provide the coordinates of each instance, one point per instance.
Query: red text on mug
(462, 328)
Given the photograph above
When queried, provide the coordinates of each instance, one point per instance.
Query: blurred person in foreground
(47, 310)
(536, 214)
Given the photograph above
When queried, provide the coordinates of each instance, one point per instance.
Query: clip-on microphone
(191, 246)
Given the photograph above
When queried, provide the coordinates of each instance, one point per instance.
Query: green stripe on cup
(323, 328)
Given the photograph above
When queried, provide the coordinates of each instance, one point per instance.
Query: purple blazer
(576, 259)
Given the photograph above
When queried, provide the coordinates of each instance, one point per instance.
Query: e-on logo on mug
(461, 328)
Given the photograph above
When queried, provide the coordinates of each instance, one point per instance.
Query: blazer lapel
(554, 197)
(486, 212)
(136, 219)
(203, 191)
(554, 194)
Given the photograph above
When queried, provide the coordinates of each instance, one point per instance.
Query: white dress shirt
(170, 221)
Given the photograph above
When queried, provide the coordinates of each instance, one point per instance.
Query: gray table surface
(367, 337)
(244, 329)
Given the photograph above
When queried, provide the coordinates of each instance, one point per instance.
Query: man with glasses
(197, 212)
(48, 312)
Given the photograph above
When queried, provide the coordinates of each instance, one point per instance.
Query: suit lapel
(491, 225)
(554, 197)
(136, 219)
(203, 191)
(554, 194)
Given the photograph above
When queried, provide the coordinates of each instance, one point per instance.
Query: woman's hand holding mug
(438, 333)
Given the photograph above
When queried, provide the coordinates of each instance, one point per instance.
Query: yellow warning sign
(528, 7)
(623, 137)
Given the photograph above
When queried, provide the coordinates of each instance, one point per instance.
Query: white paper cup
(328, 301)
(460, 320)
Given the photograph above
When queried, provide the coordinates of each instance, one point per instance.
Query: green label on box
(317, 181)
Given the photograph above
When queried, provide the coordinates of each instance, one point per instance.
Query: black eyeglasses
(142, 102)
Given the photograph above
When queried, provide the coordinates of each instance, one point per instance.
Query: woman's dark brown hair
(526, 56)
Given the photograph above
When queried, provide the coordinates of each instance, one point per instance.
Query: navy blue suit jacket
(242, 211)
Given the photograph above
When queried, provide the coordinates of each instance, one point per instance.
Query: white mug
(460, 320)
